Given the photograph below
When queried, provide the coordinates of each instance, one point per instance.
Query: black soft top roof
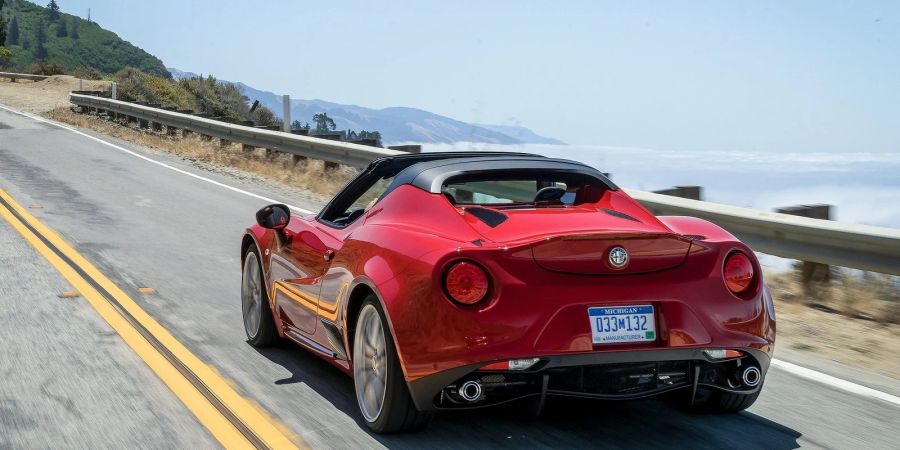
(429, 171)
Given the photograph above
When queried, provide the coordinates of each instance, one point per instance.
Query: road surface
(152, 220)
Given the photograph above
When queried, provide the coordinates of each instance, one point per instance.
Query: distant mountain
(523, 134)
(71, 42)
(179, 74)
(396, 124)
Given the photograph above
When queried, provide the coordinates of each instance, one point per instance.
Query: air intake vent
(490, 217)
(618, 214)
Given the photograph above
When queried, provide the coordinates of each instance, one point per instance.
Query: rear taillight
(738, 272)
(467, 283)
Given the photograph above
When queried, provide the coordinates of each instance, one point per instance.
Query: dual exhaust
(472, 391)
(751, 376)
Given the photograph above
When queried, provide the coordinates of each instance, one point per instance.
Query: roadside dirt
(39, 97)
(845, 324)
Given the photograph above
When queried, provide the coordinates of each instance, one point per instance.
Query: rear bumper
(608, 375)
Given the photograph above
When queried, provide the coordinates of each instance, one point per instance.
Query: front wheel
(258, 321)
(381, 391)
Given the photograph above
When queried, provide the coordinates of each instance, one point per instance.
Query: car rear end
(612, 336)
(544, 304)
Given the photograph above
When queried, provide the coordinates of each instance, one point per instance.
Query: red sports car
(446, 281)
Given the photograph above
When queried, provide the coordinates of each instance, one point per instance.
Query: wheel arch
(246, 243)
(358, 294)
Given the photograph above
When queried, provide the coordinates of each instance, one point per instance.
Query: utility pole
(89, 15)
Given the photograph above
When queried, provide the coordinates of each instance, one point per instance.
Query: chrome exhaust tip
(470, 391)
(751, 376)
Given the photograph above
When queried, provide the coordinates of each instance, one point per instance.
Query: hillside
(71, 42)
(396, 124)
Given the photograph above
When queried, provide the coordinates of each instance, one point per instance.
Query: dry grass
(852, 320)
(866, 296)
(309, 175)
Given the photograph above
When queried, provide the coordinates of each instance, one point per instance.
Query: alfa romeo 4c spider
(444, 281)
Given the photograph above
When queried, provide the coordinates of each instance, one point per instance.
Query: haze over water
(863, 187)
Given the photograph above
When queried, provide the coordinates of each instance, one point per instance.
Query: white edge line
(803, 372)
(835, 382)
(138, 155)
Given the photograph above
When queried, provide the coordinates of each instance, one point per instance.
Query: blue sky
(719, 75)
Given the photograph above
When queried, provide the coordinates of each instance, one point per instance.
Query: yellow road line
(176, 366)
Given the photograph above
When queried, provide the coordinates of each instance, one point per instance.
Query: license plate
(618, 324)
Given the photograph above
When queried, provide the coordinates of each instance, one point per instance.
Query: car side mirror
(274, 217)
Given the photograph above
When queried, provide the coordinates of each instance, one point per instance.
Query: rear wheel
(381, 391)
(258, 321)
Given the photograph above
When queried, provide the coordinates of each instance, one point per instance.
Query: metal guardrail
(857, 246)
(327, 150)
(862, 247)
(23, 76)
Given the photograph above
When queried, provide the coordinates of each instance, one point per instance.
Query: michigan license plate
(619, 324)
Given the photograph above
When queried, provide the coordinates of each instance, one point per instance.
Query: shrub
(138, 86)
(87, 73)
(44, 67)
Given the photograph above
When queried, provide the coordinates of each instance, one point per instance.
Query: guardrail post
(407, 148)
(691, 192)
(331, 165)
(246, 148)
(171, 131)
(157, 127)
(811, 272)
(286, 116)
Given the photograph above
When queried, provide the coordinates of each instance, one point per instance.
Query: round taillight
(738, 272)
(466, 283)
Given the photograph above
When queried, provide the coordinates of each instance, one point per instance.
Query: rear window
(493, 192)
(499, 191)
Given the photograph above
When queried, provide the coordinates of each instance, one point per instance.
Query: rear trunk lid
(602, 253)
(580, 240)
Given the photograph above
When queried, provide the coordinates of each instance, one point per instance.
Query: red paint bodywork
(546, 265)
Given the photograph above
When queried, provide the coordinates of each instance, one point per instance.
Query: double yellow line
(233, 420)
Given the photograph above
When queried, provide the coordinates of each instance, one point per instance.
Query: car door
(297, 266)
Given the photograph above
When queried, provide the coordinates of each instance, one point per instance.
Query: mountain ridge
(397, 124)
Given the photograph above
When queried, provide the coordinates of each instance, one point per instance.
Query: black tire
(719, 402)
(398, 413)
(264, 334)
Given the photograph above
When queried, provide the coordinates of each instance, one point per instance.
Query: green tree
(74, 33)
(61, 30)
(52, 10)
(12, 36)
(40, 38)
(323, 122)
(2, 25)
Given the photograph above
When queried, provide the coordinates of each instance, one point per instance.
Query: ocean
(862, 187)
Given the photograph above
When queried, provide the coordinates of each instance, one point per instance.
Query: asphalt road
(66, 381)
